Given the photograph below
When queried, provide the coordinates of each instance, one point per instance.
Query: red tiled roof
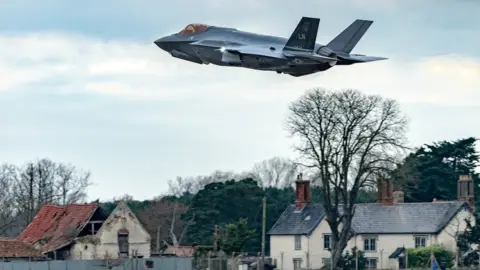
(180, 251)
(12, 248)
(57, 225)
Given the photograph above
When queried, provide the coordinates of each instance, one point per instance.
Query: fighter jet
(297, 56)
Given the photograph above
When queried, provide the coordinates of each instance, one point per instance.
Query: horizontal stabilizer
(356, 58)
(348, 38)
(304, 36)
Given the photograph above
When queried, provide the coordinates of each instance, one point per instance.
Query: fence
(173, 263)
(229, 263)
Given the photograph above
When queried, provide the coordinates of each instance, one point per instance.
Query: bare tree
(71, 184)
(7, 209)
(175, 216)
(348, 138)
(192, 185)
(123, 198)
(46, 182)
(277, 172)
(162, 218)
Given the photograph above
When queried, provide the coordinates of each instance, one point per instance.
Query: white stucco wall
(282, 248)
(83, 251)
(457, 224)
(121, 218)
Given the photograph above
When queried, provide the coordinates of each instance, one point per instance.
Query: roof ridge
(3, 238)
(69, 205)
(49, 220)
(424, 217)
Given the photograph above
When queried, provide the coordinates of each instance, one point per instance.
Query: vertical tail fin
(348, 39)
(305, 35)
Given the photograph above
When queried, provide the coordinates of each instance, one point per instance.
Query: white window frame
(299, 261)
(368, 263)
(329, 236)
(326, 261)
(418, 240)
(369, 245)
(298, 242)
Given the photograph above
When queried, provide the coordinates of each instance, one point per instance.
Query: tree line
(345, 140)
(24, 189)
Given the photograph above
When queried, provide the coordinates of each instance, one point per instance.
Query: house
(301, 236)
(84, 231)
(13, 250)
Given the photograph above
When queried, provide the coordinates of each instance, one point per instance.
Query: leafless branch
(277, 172)
(349, 138)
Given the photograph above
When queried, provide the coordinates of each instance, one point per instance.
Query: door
(401, 262)
(297, 264)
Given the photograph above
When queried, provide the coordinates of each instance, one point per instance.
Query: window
(326, 261)
(420, 241)
(297, 264)
(371, 263)
(298, 242)
(369, 244)
(327, 241)
(123, 245)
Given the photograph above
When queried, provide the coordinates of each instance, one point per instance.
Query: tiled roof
(375, 218)
(180, 251)
(303, 222)
(57, 226)
(12, 248)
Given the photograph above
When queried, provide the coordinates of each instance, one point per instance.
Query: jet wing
(252, 50)
(267, 52)
(239, 49)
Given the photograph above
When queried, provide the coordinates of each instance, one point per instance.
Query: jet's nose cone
(162, 43)
(167, 43)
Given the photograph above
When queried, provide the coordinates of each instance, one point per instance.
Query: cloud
(142, 71)
(84, 83)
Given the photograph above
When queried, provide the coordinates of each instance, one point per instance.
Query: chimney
(465, 189)
(398, 197)
(385, 192)
(303, 192)
(380, 190)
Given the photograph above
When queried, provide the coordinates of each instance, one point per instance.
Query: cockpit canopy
(193, 28)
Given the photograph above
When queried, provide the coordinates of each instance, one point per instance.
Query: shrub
(420, 257)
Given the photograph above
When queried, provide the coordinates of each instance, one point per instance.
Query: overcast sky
(82, 82)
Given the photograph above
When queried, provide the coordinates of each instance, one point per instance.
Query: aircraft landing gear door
(231, 58)
(202, 54)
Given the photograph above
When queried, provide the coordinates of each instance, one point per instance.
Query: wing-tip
(310, 18)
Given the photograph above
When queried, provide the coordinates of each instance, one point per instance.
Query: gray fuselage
(217, 37)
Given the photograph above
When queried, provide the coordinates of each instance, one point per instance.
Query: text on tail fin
(305, 34)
